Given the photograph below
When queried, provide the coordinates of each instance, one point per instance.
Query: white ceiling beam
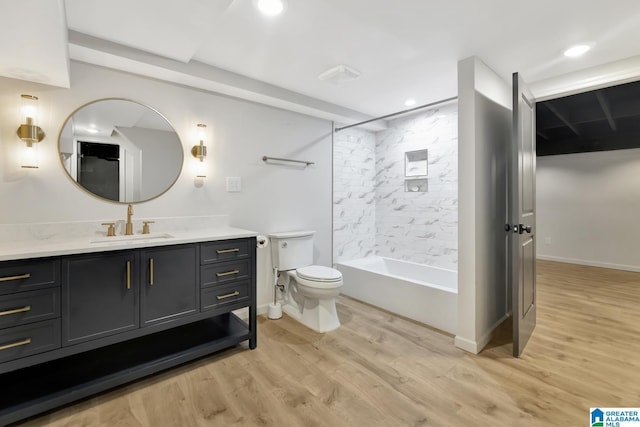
(34, 42)
(610, 74)
(89, 49)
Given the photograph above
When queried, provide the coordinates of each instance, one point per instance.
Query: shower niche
(416, 171)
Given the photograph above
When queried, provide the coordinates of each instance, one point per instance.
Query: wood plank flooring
(381, 370)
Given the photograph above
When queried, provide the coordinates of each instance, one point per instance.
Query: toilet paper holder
(262, 241)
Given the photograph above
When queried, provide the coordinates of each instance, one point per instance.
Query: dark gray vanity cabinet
(99, 295)
(169, 284)
(76, 325)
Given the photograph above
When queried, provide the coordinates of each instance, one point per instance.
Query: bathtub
(426, 294)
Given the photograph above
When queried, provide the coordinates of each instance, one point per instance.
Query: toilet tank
(292, 249)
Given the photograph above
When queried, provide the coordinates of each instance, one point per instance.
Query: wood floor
(382, 370)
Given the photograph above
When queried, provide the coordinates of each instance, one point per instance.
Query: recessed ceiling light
(92, 130)
(410, 102)
(577, 50)
(270, 7)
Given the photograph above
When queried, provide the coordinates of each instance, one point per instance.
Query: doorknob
(525, 228)
(518, 228)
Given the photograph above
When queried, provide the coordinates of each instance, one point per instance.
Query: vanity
(81, 316)
(86, 306)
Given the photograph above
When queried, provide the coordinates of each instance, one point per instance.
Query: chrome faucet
(129, 226)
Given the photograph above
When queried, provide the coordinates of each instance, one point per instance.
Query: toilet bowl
(318, 286)
(311, 289)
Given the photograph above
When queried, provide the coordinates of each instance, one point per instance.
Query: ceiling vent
(339, 74)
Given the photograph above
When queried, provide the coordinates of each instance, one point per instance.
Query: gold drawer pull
(15, 344)
(150, 271)
(21, 276)
(227, 251)
(128, 274)
(232, 294)
(16, 310)
(228, 273)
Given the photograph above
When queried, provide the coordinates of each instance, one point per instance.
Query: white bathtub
(426, 294)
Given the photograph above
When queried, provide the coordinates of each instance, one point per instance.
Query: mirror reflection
(120, 150)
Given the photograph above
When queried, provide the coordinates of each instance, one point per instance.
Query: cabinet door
(169, 283)
(99, 295)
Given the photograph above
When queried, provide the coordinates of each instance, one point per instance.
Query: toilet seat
(317, 277)
(319, 273)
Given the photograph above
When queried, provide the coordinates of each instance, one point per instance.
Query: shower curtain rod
(395, 114)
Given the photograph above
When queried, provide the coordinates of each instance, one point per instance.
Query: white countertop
(39, 248)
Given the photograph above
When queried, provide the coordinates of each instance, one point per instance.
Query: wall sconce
(200, 152)
(30, 132)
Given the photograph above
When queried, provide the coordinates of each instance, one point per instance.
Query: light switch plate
(234, 184)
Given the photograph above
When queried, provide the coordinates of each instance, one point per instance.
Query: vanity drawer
(27, 340)
(220, 296)
(18, 276)
(224, 272)
(28, 307)
(224, 250)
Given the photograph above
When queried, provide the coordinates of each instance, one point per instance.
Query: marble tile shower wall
(354, 173)
(372, 212)
(415, 226)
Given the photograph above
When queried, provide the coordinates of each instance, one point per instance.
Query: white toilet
(312, 289)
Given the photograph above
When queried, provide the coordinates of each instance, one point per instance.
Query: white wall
(588, 206)
(484, 132)
(273, 197)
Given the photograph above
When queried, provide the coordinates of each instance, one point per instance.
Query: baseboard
(589, 263)
(476, 347)
(262, 309)
(466, 344)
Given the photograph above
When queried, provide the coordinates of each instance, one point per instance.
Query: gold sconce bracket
(30, 133)
(199, 151)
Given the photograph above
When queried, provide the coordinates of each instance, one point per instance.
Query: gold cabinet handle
(128, 274)
(228, 273)
(15, 344)
(232, 294)
(151, 271)
(16, 310)
(227, 251)
(9, 278)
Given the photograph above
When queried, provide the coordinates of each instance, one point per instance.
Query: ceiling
(600, 120)
(403, 49)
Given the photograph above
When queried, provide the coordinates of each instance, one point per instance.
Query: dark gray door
(99, 295)
(99, 169)
(522, 214)
(170, 287)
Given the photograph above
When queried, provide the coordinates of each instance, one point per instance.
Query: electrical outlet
(547, 240)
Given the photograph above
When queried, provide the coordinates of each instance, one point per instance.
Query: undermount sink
(136, 238)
